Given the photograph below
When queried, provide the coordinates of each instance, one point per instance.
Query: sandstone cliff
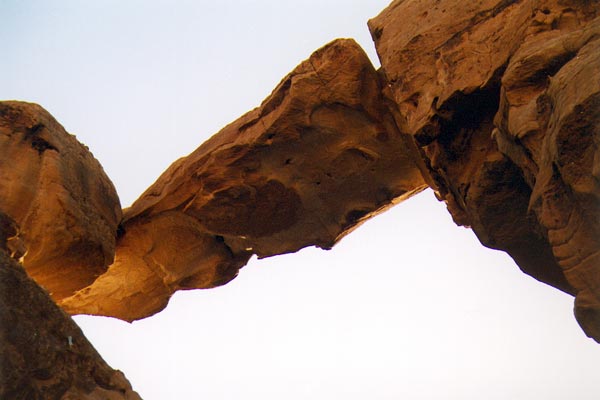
(503, 100)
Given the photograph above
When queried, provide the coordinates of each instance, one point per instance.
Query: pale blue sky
(409, 306)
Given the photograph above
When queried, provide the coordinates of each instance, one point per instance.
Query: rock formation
(65, 210)
(43, 353)
(503, 100)
(321, 154)
(494, 104)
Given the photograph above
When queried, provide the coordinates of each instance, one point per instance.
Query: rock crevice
(502, 101)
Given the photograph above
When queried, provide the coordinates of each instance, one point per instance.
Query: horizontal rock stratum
(493, 104)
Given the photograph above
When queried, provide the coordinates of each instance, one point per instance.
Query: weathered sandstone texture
(321, 154)
(43, 353)
(62, 210)
(503, 100)
(494, 104)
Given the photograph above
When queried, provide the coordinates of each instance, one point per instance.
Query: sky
(408, 306)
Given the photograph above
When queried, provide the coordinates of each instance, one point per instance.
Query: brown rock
(502, 98)
(319, 156)
(43, 353)
(156, 257)
(562, 135)
(10, 242)
(494, 103)
(63, 210)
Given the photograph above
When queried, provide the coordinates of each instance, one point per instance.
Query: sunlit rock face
(43, 353)
(63, 209)
(494, 104)
(503, 100)
(320, 155)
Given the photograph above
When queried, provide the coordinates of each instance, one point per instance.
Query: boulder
(43, 353)
(63, 209)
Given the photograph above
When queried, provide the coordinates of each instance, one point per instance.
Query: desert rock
(503, 100)
(43, 353)
(494, 104)
(62, 209)
(320, 155)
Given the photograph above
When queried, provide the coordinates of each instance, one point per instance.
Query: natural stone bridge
(493, 104)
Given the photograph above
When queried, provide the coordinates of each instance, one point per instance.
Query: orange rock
(494, 104)
(319, 156)
(503, 99)
(63, 208)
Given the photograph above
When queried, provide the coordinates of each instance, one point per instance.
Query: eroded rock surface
(321, 154)
(503, 100)
(62, 210)
(495, 104)
(43, 353)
